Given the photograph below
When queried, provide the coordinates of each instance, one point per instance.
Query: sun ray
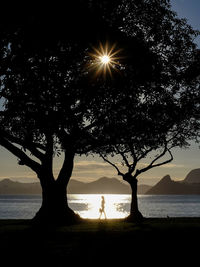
(104, 60)
(112, 49)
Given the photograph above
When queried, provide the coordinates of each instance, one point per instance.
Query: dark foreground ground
(157, 241)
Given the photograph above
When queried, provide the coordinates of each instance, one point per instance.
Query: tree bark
(55, 207)
(135, 215)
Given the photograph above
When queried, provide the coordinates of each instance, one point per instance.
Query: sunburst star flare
(104, 59)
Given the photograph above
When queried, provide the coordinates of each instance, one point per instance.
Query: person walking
(102, 209)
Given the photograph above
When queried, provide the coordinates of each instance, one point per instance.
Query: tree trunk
(135, 214)
(55, 209)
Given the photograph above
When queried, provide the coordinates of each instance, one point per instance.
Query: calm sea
(116, 206)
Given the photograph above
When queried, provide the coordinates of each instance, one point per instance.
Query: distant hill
(103, 185)
(9, 187)
(167, 186)
(143, 188)
(193, 176)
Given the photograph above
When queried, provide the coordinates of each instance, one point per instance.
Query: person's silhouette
(102, 209)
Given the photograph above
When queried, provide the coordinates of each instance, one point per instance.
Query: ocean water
(116, 206)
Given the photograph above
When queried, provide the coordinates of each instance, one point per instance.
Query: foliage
(45, 92)
(159, 108)
(52, 104)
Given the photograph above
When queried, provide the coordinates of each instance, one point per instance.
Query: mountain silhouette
(103, 185)
(166, 186)
(9, 187)
(193, 176)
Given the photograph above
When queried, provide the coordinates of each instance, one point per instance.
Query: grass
(96, 242)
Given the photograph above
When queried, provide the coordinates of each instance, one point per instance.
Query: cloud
(91, 165)
(165, 166)
(89, 170)
(170, 165)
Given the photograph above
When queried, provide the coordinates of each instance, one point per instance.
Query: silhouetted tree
(50, 99)
(156, 113)
(46, 96)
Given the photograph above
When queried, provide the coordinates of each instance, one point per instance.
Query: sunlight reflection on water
(116, 206)
(92, 203)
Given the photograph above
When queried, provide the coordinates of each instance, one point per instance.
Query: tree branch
(32, 147)
(152, 165)
(49, 146)
(122, 153)
(135, 159)
(48, 156)
(36, 167)
(143, 155)
(112, 164)
(67, 168)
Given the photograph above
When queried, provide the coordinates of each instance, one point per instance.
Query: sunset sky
(88, 169)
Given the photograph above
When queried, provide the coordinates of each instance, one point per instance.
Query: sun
(104, 59)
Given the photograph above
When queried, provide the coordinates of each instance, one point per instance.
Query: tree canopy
(158, 110)
(46, 95)
(49, 96)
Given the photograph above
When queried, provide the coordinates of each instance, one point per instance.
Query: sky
(189, 9)
(88, 169)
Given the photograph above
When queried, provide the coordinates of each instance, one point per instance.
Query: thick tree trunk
(54, 207)
(135, 214)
